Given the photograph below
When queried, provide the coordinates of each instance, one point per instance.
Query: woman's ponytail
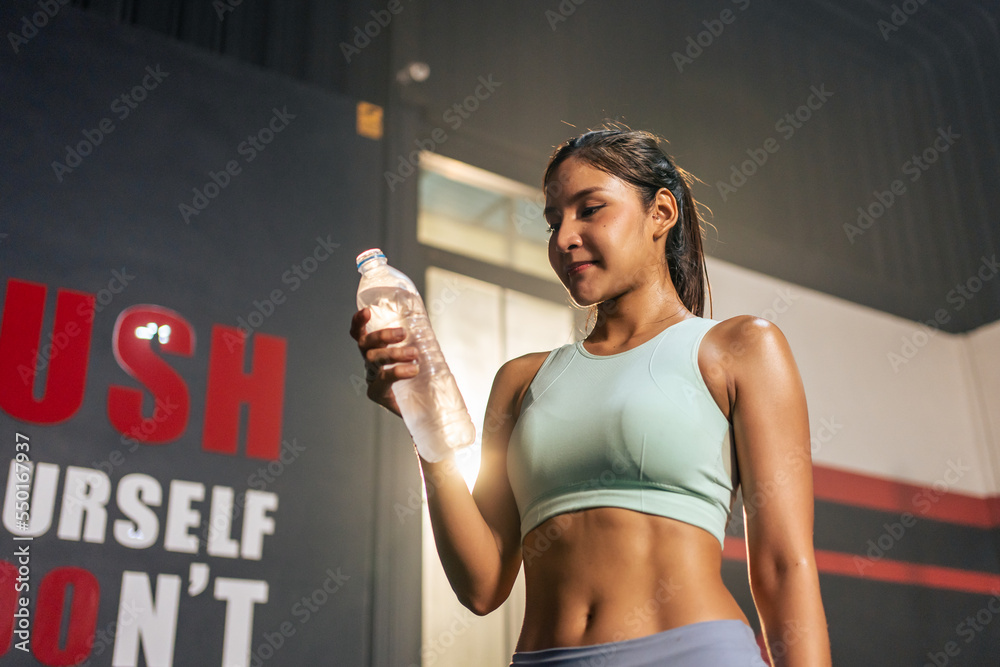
(685, 253)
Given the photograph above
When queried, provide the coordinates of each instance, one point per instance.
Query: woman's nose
(567, 237)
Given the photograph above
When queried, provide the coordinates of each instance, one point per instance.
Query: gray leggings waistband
(722, 643)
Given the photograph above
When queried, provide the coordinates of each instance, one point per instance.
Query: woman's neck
(637, 316)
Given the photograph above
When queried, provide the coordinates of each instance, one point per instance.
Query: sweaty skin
(609, 574)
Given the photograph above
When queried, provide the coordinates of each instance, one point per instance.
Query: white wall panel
(904, 417)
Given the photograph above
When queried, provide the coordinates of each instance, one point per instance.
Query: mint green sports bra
(637, 430)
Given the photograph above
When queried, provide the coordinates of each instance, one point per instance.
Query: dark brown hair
(635, 157)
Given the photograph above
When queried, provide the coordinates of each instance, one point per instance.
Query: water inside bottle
(430, 402)
(389, 306)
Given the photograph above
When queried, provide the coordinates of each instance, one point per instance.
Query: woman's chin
(583, 300)
(585, 295)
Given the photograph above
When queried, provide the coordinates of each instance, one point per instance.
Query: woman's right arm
(477, 534)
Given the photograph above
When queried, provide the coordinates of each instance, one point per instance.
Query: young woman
(609, 466)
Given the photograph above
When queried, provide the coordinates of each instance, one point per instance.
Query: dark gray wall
(119, 210)
(298, 38)
(566, 64)
(898, 72)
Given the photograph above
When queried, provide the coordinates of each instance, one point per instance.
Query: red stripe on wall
(894, 571)
(879, 493)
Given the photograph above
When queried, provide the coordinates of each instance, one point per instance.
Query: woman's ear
(665, 212)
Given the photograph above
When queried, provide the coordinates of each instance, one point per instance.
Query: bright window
(472, 212)
(480, 325)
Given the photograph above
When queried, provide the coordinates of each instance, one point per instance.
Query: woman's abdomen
(609, 574)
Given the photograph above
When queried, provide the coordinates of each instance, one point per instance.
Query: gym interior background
(186, 185)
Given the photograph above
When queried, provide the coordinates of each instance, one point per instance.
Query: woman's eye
(590, 210)
(551, 228)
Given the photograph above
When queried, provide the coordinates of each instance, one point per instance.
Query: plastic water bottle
(432, 407)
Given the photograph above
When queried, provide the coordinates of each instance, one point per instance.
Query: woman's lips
(577, 267)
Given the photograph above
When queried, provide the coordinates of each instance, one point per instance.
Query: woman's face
(603, 241)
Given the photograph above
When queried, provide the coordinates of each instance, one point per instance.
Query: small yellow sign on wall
(369, 120)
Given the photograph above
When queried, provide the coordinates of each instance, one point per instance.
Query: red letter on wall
(135, 330)
(64, 355)
(263, 388)
(82, 616)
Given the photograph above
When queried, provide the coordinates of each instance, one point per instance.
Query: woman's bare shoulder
(736, 333)
(745, 344)
(519, 372)
(525, 364)
(744, 323)
(514, 376)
